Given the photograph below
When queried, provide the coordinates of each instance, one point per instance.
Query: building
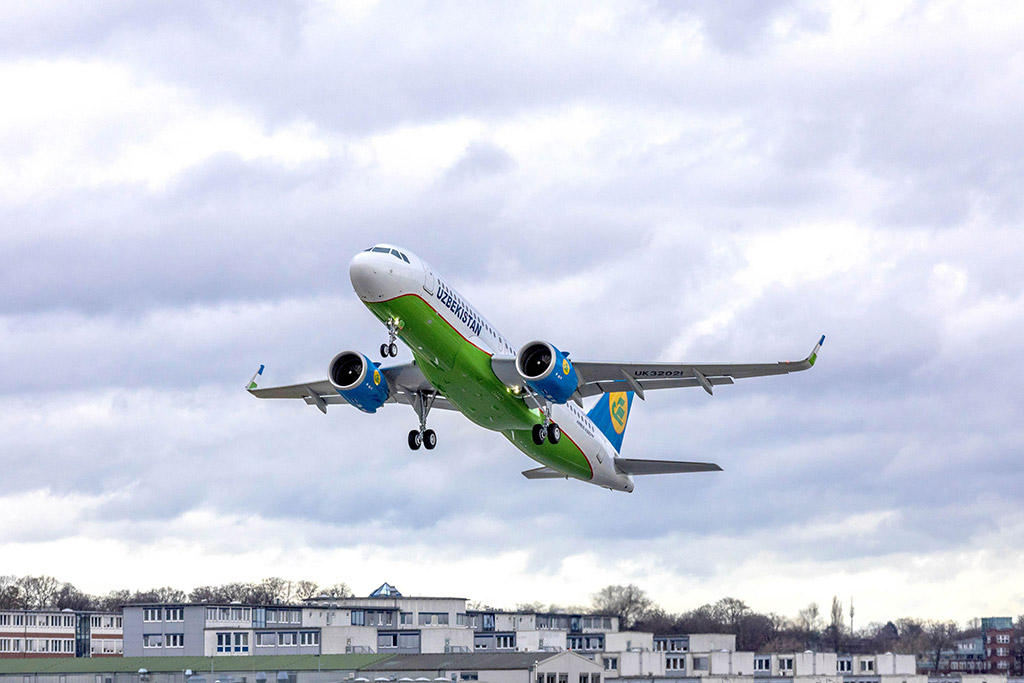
(187, 630)
(493, 667)
(997, 634)
(59, 633)
(387, 622)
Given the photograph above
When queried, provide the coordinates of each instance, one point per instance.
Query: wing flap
(638, 467)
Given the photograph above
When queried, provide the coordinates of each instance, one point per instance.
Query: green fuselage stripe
(461, 372)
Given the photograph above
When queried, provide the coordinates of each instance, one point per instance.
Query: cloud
(184, 186)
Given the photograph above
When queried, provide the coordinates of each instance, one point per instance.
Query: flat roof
(483, 661)
(86, 665)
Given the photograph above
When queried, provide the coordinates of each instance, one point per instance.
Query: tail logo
(618, 406)
(376, 377)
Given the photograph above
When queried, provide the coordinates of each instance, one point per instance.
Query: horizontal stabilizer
(545, 473)
(632, 466)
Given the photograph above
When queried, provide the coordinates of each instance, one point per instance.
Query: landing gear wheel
(540, 434)
(554, 433)
(429, 439)
(393, 349)
(385, 350)
(415, 440)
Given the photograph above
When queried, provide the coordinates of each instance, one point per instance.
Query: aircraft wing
(403, 380)
(633, 466)
(596, 377)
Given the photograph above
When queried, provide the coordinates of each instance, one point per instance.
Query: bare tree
(628, 603)
(306, 589)
(39, 591)
(809, 622)
(279, 590)
(834, 631)
(940, 636)
(69, 597)
(338, 590)
(10, 592)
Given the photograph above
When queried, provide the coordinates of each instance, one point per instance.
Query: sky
(182, 186)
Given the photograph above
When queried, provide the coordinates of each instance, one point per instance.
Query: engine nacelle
(547, 371)
(358, 381)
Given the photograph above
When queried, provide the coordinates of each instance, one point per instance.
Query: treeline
(37, 592)
(810, 629)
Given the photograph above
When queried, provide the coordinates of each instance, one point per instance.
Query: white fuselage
(381, 276)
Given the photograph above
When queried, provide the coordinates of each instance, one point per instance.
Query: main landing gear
(391, 348)
(423, 436)
(547, 430)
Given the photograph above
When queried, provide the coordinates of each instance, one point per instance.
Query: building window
(379, 618)
(611, 663)
(175, 640)
(154, 640)
(387, 641)
(151, 614)
(241, 642)
(679, 663)
(405, 619)
(762, 663)
(867, 665)
(174, 614)
(507, 642)
(786, 663)
(433, 618)
(469, 676)
(223, 642)
(844, 666)
(266, 639)
(309, 638)
(286, 638)
(462, 620)
(1003, 638)
(358, 617)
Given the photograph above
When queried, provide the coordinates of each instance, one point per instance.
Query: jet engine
(358, 380)
(547, 371)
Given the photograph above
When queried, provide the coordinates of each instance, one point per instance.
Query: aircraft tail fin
(610, 414)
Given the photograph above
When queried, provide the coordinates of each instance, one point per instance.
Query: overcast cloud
(183, 184)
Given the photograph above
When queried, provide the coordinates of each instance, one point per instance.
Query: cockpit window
(388, 250)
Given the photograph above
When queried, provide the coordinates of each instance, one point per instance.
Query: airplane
(532, 395)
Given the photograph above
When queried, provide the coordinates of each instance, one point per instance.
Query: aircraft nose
(362, 271)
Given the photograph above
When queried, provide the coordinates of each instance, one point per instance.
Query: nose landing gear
(391, 348)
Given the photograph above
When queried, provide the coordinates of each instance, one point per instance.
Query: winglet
(814, 354)
(255, 378)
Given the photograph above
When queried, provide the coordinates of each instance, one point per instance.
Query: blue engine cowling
(547, 371)
(358, 380)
